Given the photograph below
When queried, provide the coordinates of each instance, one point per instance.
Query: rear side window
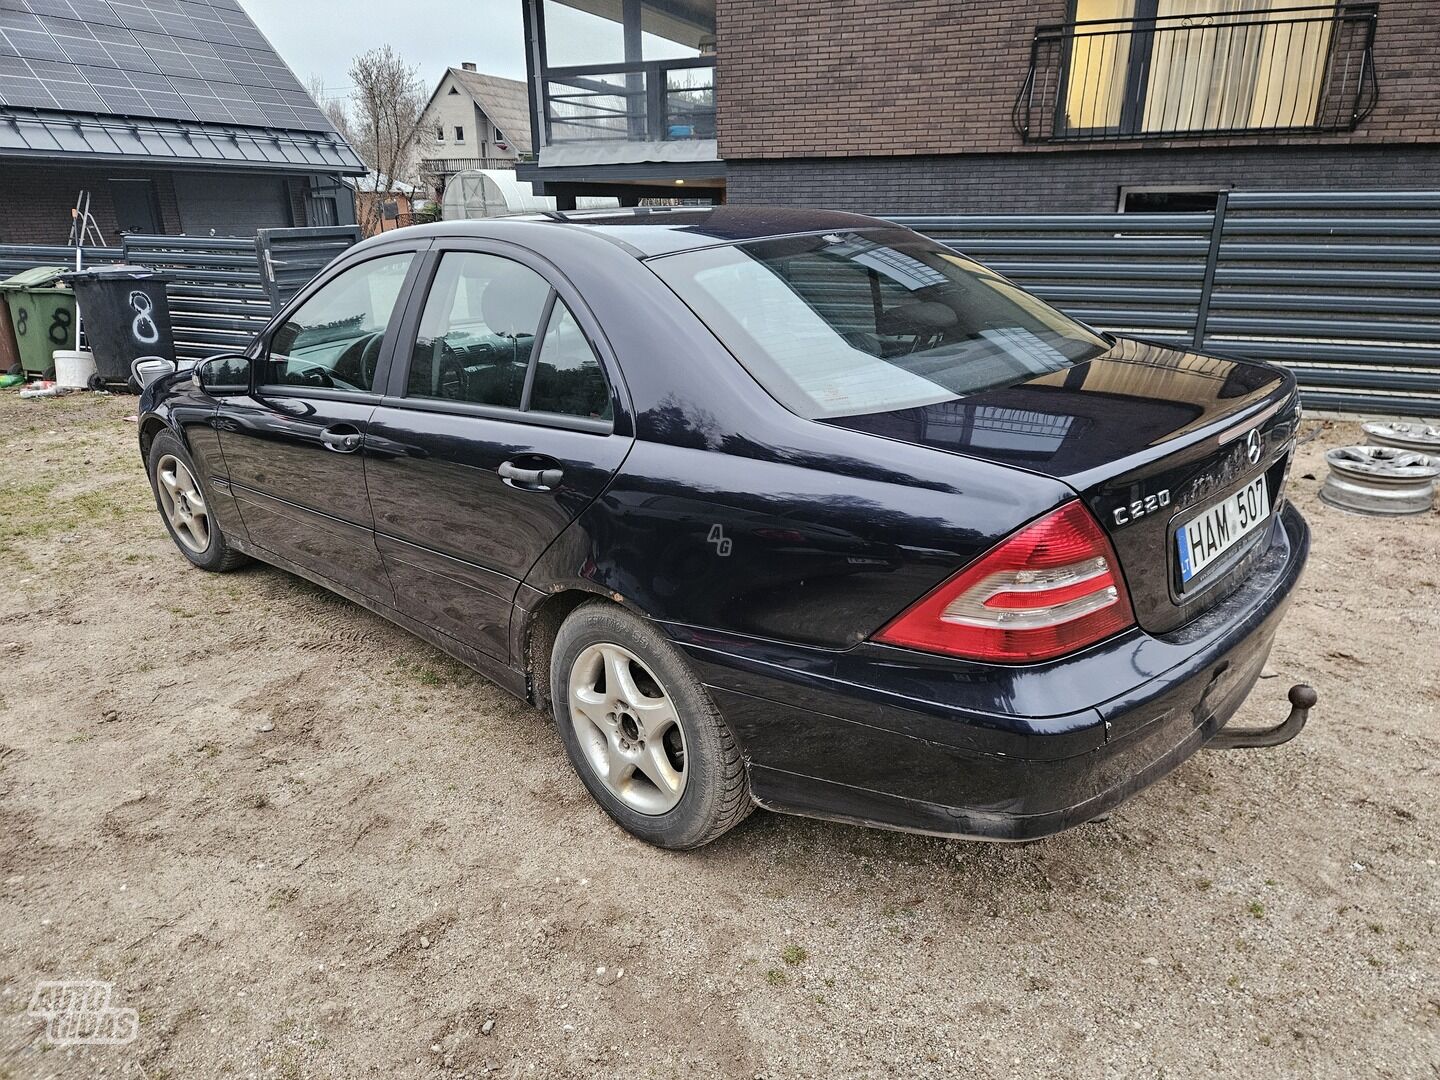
(493, 332)
(568, 379)
(478, 331)
(861, 322)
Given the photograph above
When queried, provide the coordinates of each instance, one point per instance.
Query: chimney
(469, 67)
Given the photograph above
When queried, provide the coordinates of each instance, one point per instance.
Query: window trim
(563, 421)
(259, 352)
(1126, 190)
(397, 392)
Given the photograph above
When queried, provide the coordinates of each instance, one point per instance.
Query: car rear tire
(641, 732)
(184, 508)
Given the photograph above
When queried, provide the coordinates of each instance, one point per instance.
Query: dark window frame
(1208, 191)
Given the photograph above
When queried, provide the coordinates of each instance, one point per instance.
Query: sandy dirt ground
(301, 843)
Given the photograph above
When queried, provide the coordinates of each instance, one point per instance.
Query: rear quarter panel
(732, 513)
(819, 545)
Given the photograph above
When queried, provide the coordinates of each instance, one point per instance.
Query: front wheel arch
(150, 427)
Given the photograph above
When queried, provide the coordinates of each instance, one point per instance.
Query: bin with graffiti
(127, 318)
(42, 317)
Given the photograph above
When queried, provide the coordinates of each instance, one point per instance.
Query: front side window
(333, 340)
(492, 329)
(848, 323)
(459, 134)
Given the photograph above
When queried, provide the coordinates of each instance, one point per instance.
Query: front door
(136, 207)
(294, 448)
(497, 435)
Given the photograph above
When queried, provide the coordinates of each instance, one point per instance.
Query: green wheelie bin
(42, 316)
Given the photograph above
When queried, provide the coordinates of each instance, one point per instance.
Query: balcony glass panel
(597, 106)
(586, 33)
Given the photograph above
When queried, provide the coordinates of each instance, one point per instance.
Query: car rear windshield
(848, 323)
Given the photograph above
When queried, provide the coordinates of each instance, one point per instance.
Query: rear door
(501, 424)
(293, 448)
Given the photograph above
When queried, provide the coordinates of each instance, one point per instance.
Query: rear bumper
(889, 737)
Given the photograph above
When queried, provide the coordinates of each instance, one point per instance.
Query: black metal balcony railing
(658, 101)
(1301, 69)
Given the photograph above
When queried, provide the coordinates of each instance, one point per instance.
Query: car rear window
(847, 323)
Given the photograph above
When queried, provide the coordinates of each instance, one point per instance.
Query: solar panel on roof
(172, 59)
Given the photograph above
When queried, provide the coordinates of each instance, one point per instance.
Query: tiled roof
(504, 101)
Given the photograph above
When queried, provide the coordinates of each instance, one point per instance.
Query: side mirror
(223, 376)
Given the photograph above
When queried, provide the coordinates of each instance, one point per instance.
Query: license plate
(1207, 536)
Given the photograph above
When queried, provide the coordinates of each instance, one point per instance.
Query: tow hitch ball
(1302, 700)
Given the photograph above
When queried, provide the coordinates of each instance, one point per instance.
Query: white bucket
(73, 369)
(149, 368)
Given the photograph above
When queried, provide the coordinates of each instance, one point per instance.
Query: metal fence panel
(290, 258)
(1342, 287)
(17, 257)
(220, 296)
(217, 300)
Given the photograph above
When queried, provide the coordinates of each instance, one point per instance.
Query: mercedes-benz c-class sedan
(769, 507)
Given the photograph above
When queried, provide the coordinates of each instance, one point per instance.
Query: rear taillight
(1051, 588)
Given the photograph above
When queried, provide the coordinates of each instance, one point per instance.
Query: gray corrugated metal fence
(219, 296)
(17, 257)
(217, 301)
(1342, 287)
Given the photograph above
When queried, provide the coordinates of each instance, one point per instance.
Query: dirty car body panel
(774, 543)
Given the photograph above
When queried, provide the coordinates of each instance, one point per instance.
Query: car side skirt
(504, 676)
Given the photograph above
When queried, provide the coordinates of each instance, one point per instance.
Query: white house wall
(459, 110)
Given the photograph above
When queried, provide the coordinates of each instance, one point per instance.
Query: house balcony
(659, 101)
(1165, 76)
(623, 91)
(442, 168)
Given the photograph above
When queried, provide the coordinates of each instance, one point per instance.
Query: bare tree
(388, 100)
(333, 107)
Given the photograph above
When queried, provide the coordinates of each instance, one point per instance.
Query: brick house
(175, 116)
(1023, 105)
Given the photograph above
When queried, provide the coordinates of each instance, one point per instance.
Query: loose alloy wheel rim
(628, 729)
(183, 504)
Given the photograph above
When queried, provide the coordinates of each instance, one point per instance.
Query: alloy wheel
(628, 728)
(183, 504)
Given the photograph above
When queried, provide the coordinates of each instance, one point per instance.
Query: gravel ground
(304, 844)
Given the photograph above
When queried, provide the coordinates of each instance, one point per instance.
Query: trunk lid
(1151, 438)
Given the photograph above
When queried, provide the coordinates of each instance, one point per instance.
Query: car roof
(662, 230)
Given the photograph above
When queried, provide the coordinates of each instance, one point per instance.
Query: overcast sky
(319, 37)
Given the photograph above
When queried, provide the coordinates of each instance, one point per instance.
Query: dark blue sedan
(774, 507)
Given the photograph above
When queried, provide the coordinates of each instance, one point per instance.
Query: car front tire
(185, 507)
(642, 733)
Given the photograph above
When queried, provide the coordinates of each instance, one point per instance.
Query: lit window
(1150, 66)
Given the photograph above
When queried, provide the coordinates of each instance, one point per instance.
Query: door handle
(342, 438)
(534, 479)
